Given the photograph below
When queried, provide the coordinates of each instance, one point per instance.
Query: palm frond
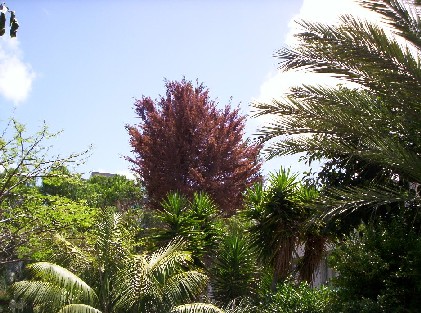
(348, 199)
(184, 286)
(158, 280)
(63, 279)
(359, 52)
(40, 293)
(78, 308)
(71, 254)
(110, 239)
(135, 283)
(197, 308)
(403, 19)
(368, 128)
(168, 259)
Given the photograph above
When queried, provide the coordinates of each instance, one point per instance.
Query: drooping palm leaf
(40, 294)
(53, 287)
(376, 120)
(63, 278)
(185, 286)
(403, 18)
(348, 199)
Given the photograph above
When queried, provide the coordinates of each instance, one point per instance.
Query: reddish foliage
(184, 143)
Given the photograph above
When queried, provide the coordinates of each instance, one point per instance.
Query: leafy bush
(291, 298)
(380, 268)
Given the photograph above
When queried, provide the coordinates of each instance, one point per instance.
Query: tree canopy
(184, 143)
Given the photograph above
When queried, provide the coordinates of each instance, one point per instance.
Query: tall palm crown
(378, 122)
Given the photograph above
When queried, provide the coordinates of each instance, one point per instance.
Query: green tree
(97, 191)
(279, 213)
(25, 158)
(380, 267)
(119, 279)
(292, 298)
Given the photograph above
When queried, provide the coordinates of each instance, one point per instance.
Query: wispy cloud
(16, 76)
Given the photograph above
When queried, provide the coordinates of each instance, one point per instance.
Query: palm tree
(279, 214)
(376, 124)
(158, 282)
(121, 280)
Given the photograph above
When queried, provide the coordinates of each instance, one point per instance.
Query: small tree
(185, 144)
(280, 213)
(24, 159)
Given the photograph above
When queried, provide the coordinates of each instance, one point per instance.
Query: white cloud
(326, 11)
(16, 76)
(278, 83)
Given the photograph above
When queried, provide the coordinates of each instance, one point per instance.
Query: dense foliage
(366, 130)
(380, 267)
(25, 214)
(184, 144)
(96, 191)
(95, 246)
(290, 298)
(193, 220)
(111, 277)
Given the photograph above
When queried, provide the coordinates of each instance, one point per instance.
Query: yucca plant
(279, 214)
(194, 220)
(234, 272)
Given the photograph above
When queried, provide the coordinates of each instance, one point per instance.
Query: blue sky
(79, 65)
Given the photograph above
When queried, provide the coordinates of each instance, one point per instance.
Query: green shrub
(380, 268)
(291, 298)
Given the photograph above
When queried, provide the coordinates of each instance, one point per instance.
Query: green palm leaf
(346, 200)
(40, 293)
(197, 308)
(159, 280)
(78, 308)
(53, 287)
(184, 286)
(64, 279)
